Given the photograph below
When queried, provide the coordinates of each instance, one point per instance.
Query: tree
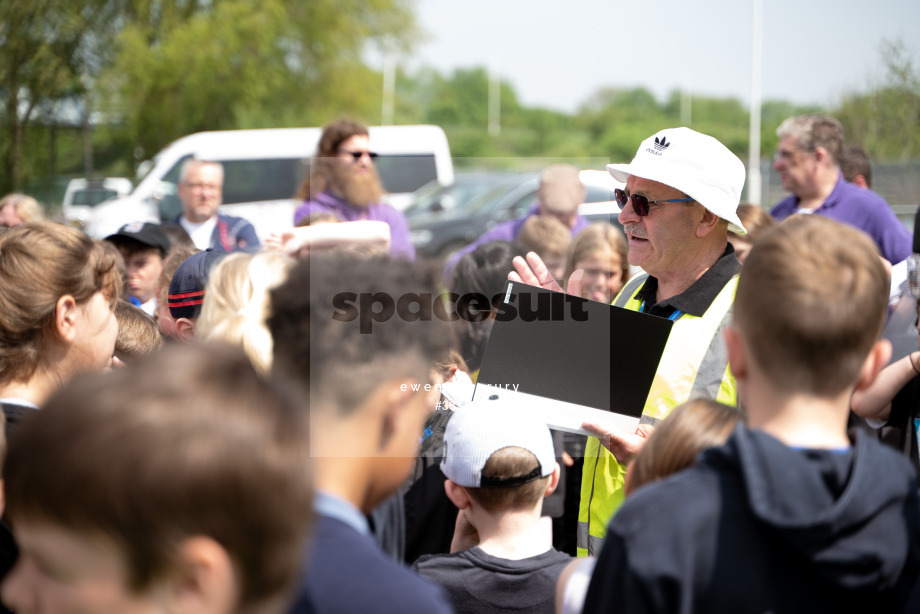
(49, 49)
(225, 64)
(884, 120)
(618, 119)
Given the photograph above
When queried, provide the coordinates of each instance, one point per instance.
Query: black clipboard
(571, 359)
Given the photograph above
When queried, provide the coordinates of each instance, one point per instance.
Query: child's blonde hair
(138, 334)
(236, 303)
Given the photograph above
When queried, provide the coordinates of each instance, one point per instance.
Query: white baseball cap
(475, 432)
(696, 164)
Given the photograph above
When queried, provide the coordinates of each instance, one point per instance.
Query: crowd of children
(192, 431)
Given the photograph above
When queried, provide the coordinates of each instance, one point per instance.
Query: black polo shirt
(696, 299)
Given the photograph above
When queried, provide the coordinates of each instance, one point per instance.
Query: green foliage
(884, 121)
(49, 49)
(250, 64)
(161, 69)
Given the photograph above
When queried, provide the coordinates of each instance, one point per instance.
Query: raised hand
(533, 272)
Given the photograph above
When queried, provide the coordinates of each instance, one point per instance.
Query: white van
(82, 195)
(262, 170)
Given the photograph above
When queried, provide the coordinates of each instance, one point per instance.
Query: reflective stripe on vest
(694, 364)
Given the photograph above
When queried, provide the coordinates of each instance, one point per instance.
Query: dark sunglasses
(357, 155)
(641, 203)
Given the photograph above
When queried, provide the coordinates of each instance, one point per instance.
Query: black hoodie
(756, 526)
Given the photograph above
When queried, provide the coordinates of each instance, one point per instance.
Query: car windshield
(460, 194)
(401, 174)
(489, 199)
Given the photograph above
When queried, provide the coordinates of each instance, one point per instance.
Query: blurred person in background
(599, 250)
(201, 185)
(559, 195)
(237, 303)
(756, 220)
(143, 246)
(808, 158)
(162, 316)
(549, 238)
(138, 334)
(186, 295)
(16, 209)
(856, 166)
(343, 181)
(57, 317)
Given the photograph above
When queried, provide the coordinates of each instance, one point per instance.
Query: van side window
(247, 181)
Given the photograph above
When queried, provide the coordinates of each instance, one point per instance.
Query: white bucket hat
(696, 164)
(475, 432)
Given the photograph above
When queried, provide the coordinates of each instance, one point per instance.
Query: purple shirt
(507, 231)
(864, 209)
(400, 245)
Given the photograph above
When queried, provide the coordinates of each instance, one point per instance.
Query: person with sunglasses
(680, 202)
(343, 181)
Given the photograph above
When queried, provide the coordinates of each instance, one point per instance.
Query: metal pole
(754, 176)
(389, 91)
(495, 101)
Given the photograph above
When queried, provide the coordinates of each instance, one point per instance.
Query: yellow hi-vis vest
(694, 364)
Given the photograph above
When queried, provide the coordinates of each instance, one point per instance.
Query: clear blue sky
(556, 53)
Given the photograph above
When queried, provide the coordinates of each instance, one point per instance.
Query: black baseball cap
(145, 233)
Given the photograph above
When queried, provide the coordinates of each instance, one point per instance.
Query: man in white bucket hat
(681, 199)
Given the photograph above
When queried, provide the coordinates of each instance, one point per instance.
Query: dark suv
(442, 219)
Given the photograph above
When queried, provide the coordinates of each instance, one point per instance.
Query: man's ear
(457, 494)
(65, 318)
(185, 330)
(821, 154)
(707, 223)
(860, 181)
(553, 481)
(203, 579)
(878, 358)
(737, 351)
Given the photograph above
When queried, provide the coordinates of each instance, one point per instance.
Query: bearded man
(343, 182)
